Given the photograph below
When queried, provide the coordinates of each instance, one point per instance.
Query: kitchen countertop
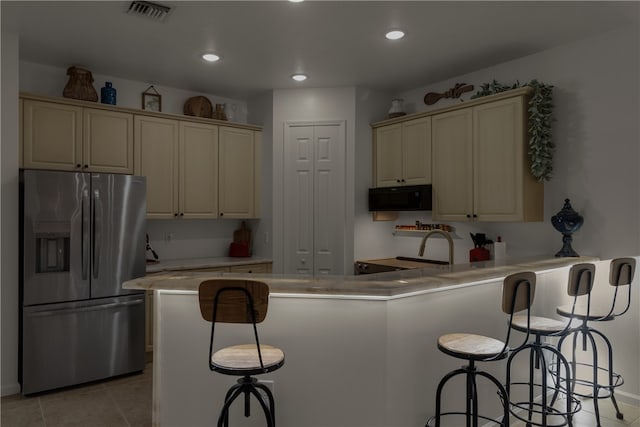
(197, 263)
(389, 285)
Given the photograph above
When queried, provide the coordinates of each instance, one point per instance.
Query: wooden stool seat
(243, 359)
(538, 325)
(582, 313)
(470, 346)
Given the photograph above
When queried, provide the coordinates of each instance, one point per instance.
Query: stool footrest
(617, 381)
(431, 422)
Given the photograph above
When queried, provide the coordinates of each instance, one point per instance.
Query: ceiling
(337, 43)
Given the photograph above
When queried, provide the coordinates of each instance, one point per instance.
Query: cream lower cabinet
(480, 164)
(402, 153)
(62, 136)
(239, 172)
(180, 161)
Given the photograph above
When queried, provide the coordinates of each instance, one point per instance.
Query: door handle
(96, 214)
(86, 308)
(84, 235)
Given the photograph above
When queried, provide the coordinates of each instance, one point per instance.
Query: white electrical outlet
(168, 238)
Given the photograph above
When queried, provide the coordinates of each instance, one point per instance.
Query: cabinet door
(156, 157)
(237, 160)
(52, 136)
(108, 141)
(499, 162)
(388, 155)
(198, 190)
(416, 151)
(452, 166)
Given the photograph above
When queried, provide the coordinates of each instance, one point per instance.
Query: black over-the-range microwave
(406, 198)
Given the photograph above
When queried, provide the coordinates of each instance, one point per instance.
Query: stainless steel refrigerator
(82, 235)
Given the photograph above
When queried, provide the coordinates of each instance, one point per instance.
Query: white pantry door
(314, 198)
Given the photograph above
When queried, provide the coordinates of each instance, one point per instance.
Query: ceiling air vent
(149, 10)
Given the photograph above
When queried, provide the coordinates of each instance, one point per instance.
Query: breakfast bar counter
(359, 350)
(389, 285)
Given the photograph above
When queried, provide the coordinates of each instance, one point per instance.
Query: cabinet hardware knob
(86, 166)
(78, 165)
(175, 214)
(221, 213)
(468, 216)
(475, 216)
(181, 213)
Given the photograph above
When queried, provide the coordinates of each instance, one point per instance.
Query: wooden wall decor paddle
(455, 92)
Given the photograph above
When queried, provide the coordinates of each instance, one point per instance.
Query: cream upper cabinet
(239, 173)
(107, 141)
(402, 153)
(480, 164)
(69, 137)
(52, 136)
(180, 161)
(198, 183)
(156, 157)
(452, 166)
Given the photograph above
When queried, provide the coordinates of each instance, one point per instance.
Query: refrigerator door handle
(96, 219)
(87, 308)
(84, 255)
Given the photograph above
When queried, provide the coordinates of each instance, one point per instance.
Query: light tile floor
(119, 402)
(126, 402)
(586, 417)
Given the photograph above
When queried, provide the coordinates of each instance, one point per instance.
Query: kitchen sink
(423, 260)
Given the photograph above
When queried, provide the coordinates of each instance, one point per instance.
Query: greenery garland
(541, 146)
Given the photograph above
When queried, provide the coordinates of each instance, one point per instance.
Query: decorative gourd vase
(108, 94)
(80, 85)
(397, 108)
(567, 222)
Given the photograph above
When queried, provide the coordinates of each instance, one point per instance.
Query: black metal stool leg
(504, 398)
(610, 373)
(439, 391)
(223, 419)
(267, 412)
(272, 405)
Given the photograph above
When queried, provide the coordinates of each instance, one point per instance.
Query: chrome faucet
(445, 234)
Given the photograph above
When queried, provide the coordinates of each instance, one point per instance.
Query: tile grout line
(44, 420)
(120, 411)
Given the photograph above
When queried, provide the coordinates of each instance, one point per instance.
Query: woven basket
(198, 106)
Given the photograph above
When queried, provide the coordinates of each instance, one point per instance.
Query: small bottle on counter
(499, 250)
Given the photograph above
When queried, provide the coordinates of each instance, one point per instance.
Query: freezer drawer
(72, 343)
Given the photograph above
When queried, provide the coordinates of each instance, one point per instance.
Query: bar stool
(580, 284)
(240, 301)
(540, 327)
(479, 348)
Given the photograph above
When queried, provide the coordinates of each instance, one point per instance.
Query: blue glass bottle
(108, 94)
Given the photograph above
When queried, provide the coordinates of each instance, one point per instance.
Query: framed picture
(151, 100)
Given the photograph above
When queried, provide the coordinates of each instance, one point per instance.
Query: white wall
(9, 215)
(311, 105)
(596, 133)
(48, 80)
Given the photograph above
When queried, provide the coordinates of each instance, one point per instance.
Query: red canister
(479, 254)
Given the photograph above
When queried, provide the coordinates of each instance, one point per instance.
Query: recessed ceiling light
(394, 35)
(296, 1)
(299, 77)
(210, 57)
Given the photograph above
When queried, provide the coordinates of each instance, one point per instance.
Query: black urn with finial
(567, 221)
